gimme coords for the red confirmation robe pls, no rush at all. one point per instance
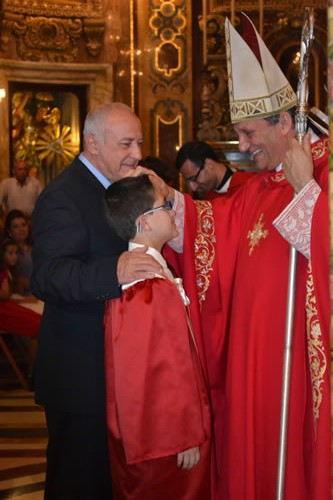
(157, 403)
(243, 316)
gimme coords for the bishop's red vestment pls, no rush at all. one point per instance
(241, 269)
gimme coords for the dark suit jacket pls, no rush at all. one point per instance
(75, 255)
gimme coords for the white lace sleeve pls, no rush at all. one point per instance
(179, 207)
(294, 223)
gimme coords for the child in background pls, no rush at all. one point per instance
(20, 319)
(14, 318)
(17, 228)
(157, 404)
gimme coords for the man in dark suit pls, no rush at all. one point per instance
(79, 262)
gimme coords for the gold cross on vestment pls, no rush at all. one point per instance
(257, 233)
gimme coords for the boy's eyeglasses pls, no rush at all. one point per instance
(194, 178)
(166, 206)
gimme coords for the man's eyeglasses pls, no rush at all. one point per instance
(194, 178)
(166, 206)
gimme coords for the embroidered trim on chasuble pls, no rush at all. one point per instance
(316, 349)
(295, 221)
(204, 247)
(319, 149)
(257, 233)
(277, 177)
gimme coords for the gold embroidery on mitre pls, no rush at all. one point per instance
(258, 232)
(204, 247)
(262, 106)
(316, 349)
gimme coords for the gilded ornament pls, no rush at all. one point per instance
(41, 38)
(278, 177)
(204, 247)
(94, 31)
(257, 234)
(318, 362)
(70, 8)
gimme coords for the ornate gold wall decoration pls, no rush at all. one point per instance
(47, 39)
(253, 5)
(6, 28)
(52, 8)
(214, 109)
(165, 86)
(213, 88)
(52, 31)
(167, 24)
(168, 117)
(94, 31)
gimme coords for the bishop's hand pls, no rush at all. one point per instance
(298, 163)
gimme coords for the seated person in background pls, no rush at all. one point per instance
(14, 318)
(17, 228)
(11, 256)
(157, 405)
(162, 169)
(17, 283)
(205, 176)
(19, 314)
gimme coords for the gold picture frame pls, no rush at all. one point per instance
(45, 127)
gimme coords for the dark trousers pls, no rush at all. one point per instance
(77, 457)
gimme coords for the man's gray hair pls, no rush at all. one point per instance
(96, 119)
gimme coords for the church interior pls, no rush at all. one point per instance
(164, 58)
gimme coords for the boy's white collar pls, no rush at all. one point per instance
(151, 251)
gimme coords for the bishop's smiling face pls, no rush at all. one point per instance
(265, 141)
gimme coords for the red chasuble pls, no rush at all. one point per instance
(252, 261)
(157, 403)
(237, 179)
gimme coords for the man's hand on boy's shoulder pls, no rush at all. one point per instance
(137, 265)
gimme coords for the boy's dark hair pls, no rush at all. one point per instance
(196, 152)
(159, 167)
(125, 200)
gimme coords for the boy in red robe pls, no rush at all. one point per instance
(157, 405)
